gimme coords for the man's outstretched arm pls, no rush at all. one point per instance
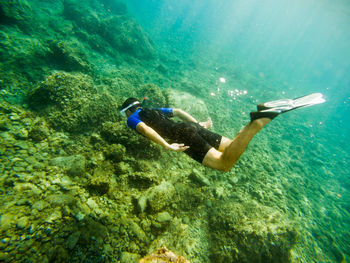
(183, 115)
(187, 117)
(151, 134)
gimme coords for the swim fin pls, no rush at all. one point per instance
(272, 109)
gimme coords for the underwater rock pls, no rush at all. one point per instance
(199, 178)
(142, 180)
(74, 165)
(133, 229)
(40, 205)
(64, 182)
(163, 255)
(16, 11)
(5, 124)
(116, 7)
(20, 134)
(157, 98)
(114, 132)
(108, 21)
(115, 152)
(123, 168)
(69, 56)
(92, 204)
(163, 217)
(23, 222)
(92, 16)
(21, 144)
(233, 180)
(99, 185)
(142, 204)
(71, 102)
(132, 39)
(54, 217)
(219, 192)
(60, 199)
(162, 69)
(79, 216)
(243, 232)
(23, 57)
(160, 196)
(73, 240)
(5, 221)
(127, 257)
(137, 146)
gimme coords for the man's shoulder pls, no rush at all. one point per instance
(133, 120)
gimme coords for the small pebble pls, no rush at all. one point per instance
(23, 222)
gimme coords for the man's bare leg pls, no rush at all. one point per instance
(224, 161)
(225, 142)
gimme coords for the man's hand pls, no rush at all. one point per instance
(178, 147)
(206, 124)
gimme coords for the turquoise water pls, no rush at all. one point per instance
(297, 47)
(77, 185)
(301, 44)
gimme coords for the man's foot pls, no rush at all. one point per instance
(263, 114)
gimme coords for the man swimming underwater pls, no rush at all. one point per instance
(193, 138)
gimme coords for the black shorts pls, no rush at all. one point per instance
(198, 138)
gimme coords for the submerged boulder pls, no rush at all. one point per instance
(160, 196)
(72, 103)
(127, 257)
(69, 55)
(138, 146)
(74, 165)
(15, 11)
(109, 20)
(249, 232)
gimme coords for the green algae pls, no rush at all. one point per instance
(72, 103)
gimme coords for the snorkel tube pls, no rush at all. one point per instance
(143, 103)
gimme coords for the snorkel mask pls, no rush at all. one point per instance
(122, 111)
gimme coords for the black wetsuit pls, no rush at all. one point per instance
(199, 139)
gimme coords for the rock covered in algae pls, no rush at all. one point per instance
(250, 232)
(71, 102)
(69, 55)
(163, 255)
(156, 97)
(109, 23)
(160, 196)
(74, 165)
(137, 146)
(115, 152)
(16, 12)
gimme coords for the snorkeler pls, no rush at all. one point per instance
(194, 138)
